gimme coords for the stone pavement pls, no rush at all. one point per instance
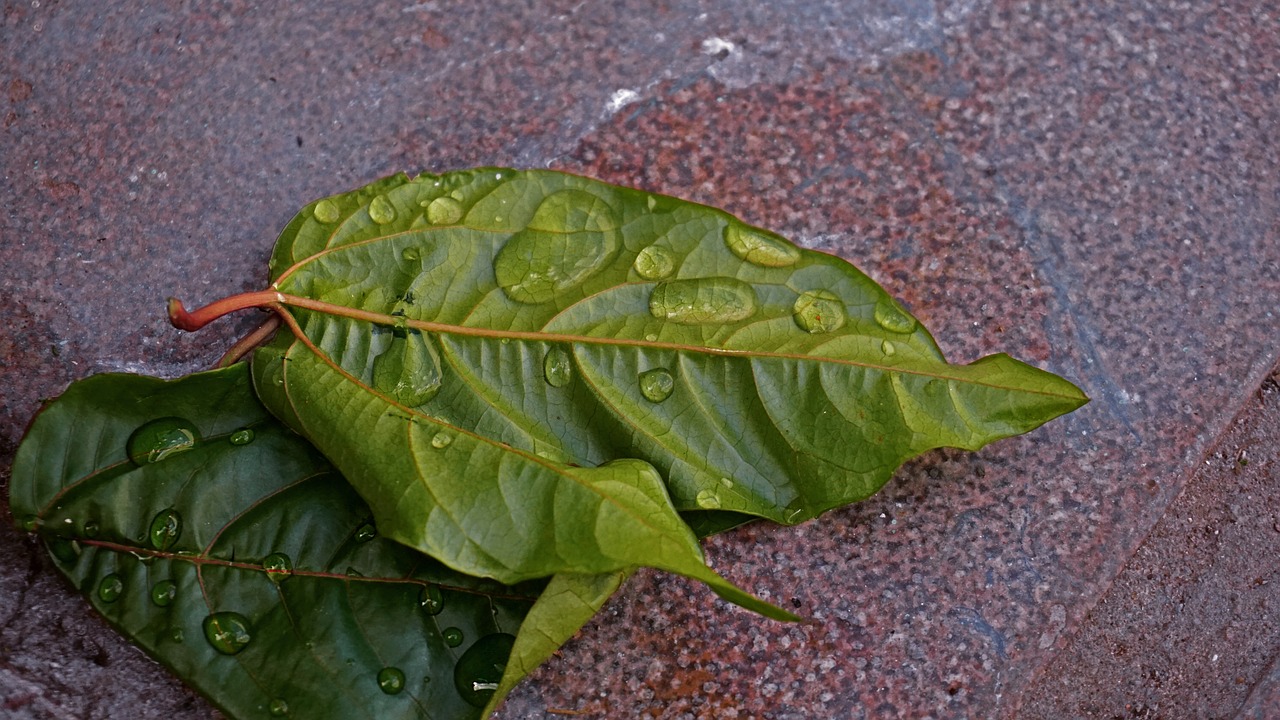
(1092, 187)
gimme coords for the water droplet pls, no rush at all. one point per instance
(64, 550)
(110, 587)
(557, 367)
(243, 436)
(177, 635)
(431, 600)
(444, 211)
(651, 337)
(29, 523)
(652, 202)
(892, 318)
(366, 533)
(819, 311)
(571, 237)
(726, 483)
(703, 301)
(656, 385)
(411, 254)
(166, 527)
(278, 707)
(381, 210)
(480, 669)
(888, 348)
(164, 592)
(760, 247)
(91, 529)
(278, 567)
(654, 263)
(409, 369)
(441, 440)
(452, 637)
(390, 680)
(227, 632)
(326, 211)
(160, 439)
(708, 500)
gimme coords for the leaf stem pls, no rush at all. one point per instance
(246, 344)
(184, 319)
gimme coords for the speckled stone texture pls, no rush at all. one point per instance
(1092, 187)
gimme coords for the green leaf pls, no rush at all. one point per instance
(231, 551)
(540, 321)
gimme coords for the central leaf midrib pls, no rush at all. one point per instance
(539, 336)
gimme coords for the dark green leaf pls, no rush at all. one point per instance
(538, 321)
(233, 553)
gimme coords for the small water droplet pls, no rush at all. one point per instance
(557, 367)
(452, 637)
(726, 483)
(707, 500)
(278, 567)
(227, 632)
(29, 523)
(366, 533)
(656, 385)
(444, 211)
(164, 592)
(326, 211)
(91, 529)
(177, 635)
(243, 436)
(431, 600)
(760, 247)
(390, 680)
(64, 550)
(654, 263)
(652, 202)
(110, 587)
(892, 318)
(480, 669)
(381, 210)
(703, 301)
(888, 348)
(819, 311)
(411, 254)
(278, 707)
(651, 337)
(441, 440)
(166, 527)
(160, 439)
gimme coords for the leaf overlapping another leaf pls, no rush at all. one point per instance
(232, 552)
(555, 333)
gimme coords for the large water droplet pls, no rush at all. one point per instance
(326, 211)
(819, 311)
(110, 588)
(707, 499)
(166, 527)
(654, 263)
(243, 436)
(656, 385)
(892, 318)
(409, 369)
(278, 707)
(431, 599)
(557, 367)
(64, 550)
(164, 592)
(703, 301)
(381, 210)
(759, 247)
(444, 211)
(278, 567)
(480, 669)
(441, 440)
(160, 439)
(227, 632)
(570, 238)
(452, 637)
(391, 680)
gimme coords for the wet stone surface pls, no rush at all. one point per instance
(1089, 187)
